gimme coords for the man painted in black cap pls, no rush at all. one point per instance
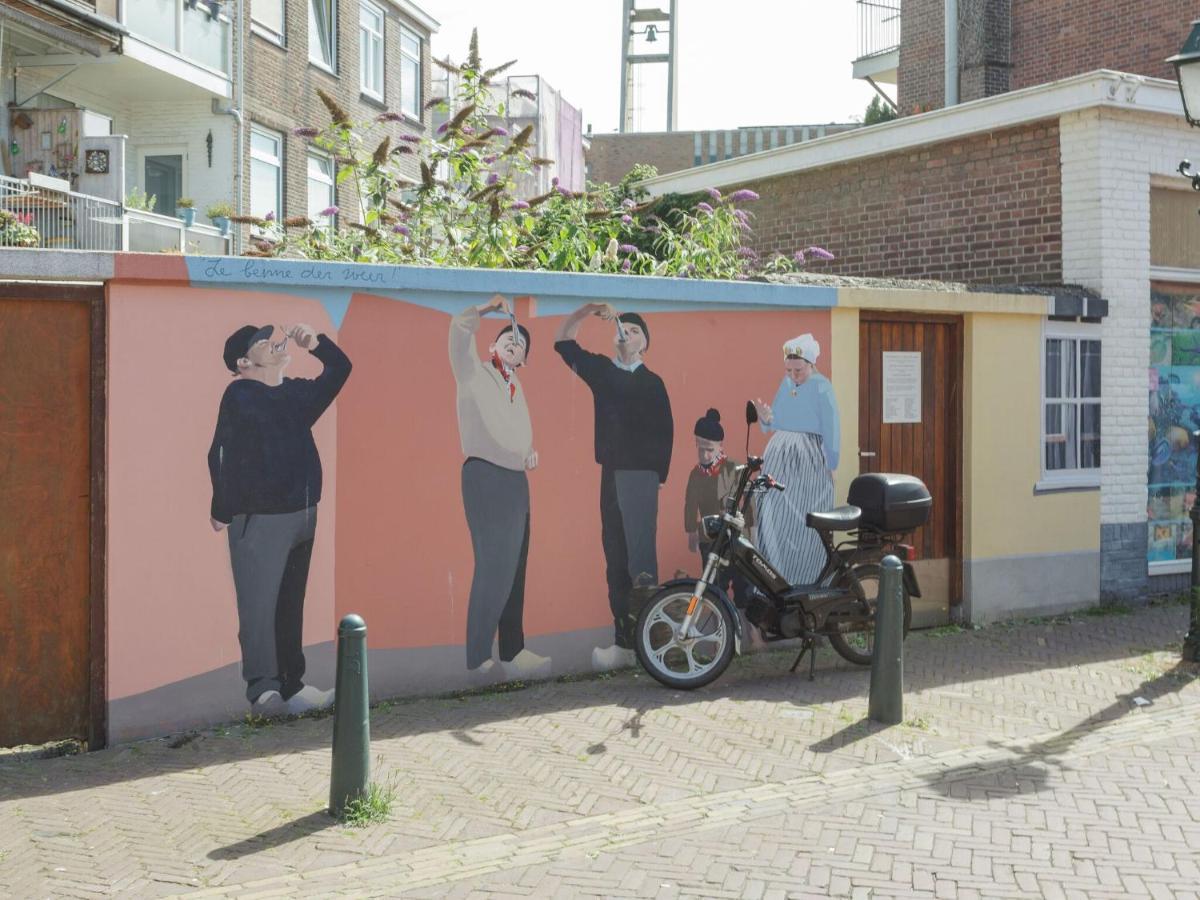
(634, 436)
(266, 478)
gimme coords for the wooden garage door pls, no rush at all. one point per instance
(45, 514)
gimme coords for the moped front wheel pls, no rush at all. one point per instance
(857, 646)
(685, 662)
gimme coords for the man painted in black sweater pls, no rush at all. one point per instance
(266, 478)
(634, 436)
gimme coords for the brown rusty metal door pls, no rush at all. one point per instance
(918, 438)
(45, 514)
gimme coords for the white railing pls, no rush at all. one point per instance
(66, 220)
(878, 27)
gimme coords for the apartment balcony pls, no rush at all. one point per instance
(878, 57)
(55, 218)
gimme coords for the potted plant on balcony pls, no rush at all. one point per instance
(186, 210)
(219, 213)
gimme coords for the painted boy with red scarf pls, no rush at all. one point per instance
(497, 441)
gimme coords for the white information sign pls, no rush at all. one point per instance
(901, 387)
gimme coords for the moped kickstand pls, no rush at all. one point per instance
(809, 646)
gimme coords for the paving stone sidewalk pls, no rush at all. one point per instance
(1040, 759)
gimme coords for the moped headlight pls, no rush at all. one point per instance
(711, 525)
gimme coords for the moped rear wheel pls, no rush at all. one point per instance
(857, 646)
(684, 663)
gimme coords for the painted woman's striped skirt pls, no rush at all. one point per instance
(796, 459)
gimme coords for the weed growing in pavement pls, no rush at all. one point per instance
(920, 723)
(375, 805)
(1107, 609)
(944, 630)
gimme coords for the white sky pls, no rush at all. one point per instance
(747, 62)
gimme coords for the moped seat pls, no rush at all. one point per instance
(844, 518)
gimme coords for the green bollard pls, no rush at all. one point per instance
(887, 657)
(351, 717)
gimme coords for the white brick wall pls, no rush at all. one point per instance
(1108, 157)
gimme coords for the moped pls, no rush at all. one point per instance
(688, 632)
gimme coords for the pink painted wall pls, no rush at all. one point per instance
(391, 515)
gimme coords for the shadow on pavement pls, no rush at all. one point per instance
(296, 830)
(1029, 772)
(931, 662)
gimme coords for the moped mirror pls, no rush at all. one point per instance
(751, 413)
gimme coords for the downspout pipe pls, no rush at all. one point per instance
(237, 112)
(951, 43)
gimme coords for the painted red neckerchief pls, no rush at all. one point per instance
(506, 373)
(713, 467)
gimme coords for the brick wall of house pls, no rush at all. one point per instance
(920, 79)
(281, 91)
(986, 209)
(1012, 44)
(612, 155)
(1055, 40)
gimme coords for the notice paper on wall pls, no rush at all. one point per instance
(901, 387)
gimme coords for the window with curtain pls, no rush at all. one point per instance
(322, 33)
(1071, 407)
(267, 18)
(410, 73)
(321, 192)
(370, 49)
(266, 172)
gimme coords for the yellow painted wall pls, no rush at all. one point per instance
(1002, 449)
(843, 325)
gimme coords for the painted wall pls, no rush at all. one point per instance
(392, 541)
(1016, 540)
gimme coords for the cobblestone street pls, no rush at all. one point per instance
(1042, 759)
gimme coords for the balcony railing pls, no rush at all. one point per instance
(198, 30)
(66, 220)
(878, 27)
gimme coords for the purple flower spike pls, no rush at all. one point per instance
(626, 219)
(741, 215)
(500, 132)
(442, 128)
(269, 217)
(745, 227)
(625, 266)
(743, 195)
(554, 181)
(819, 252)
(493, 178)
(467, 129)
(389, 117)
(747, 253)
(410, 138)
(329, 211)
(490, 159)
(628, 248)
(628, 203)
(306, 132)
(798, 256)
(704, 208)
(562, 190)
(523, 248)
(519, 204)
(401, 229)
(714, 194)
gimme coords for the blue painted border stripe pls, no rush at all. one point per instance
(304, 277)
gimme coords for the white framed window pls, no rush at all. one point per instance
(267, 18)
(1071, 446)
(322, 33)
(410, 73)
(266, 172)
(321, 191)
(370, 49)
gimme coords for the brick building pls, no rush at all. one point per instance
(372, 56)
(1053, 168)
(610, 156)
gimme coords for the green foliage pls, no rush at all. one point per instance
(185, 203)
(465, 210)
(878, 111)
(17, 230)
(138, 200)
(221, 210)
(375, 805)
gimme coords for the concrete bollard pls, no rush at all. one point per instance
(886, 704)
(351, 717)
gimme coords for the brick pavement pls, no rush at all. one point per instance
(1024, 768)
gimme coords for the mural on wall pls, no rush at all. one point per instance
(803, 454)
(497, 441)
(711, 480)
(1174, 385)
(266, 485)
(634, 433)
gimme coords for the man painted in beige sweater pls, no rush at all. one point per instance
(497, 441)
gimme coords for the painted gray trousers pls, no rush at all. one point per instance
(629, 533)
(496, 501)
(270, 556)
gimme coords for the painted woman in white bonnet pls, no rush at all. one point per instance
(802, 453)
